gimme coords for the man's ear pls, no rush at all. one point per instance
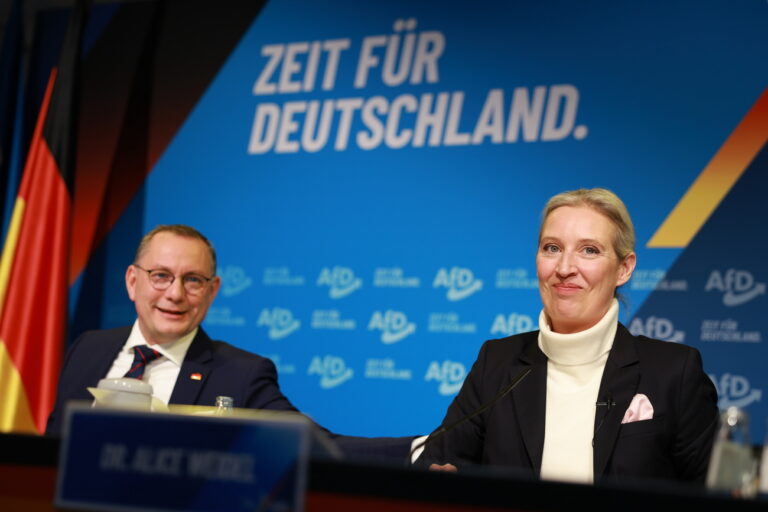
(215, 285)
(130, 281)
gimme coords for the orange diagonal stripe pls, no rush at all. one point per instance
(716, 180)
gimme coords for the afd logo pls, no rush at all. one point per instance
(735, 390)
(332, 370)
(341, 280)
(280, 322)
(233, 280)
(394, 325)
(659, 328)
(461, 283)
(514, 323)
(450, 375)
(738, 286)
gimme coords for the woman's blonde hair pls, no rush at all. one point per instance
(603, 201)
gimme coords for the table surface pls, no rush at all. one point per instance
(28, 470)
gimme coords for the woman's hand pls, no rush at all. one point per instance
(445, 467)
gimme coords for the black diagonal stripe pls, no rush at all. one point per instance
(59, 128)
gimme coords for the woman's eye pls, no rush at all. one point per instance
(550, 248)
(591, 250)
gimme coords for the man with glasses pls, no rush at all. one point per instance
(172, 282)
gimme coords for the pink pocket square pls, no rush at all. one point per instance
(640, 409)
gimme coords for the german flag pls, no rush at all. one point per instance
(33, 268)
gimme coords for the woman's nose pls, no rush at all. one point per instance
(565, 264)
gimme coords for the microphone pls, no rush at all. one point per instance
(444, 430)
(609, 404)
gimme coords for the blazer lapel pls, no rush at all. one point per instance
(617, 387)
(194, 370)
(105, 352)
(530, 399)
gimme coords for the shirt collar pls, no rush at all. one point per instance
(175, 351)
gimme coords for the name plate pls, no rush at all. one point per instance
(125, 460)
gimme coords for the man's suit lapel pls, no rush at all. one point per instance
(530, 398)
(194, 370)
(104, 352)
(617, 387)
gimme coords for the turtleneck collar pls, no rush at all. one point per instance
(581, 347)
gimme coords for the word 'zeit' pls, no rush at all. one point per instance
(543, 113)
(297, 75)
(295, 67)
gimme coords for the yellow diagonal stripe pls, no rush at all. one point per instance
(9, 249)
(716, 180)
(15, 414)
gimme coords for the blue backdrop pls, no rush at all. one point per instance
(372, 178)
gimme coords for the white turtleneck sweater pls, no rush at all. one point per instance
(574, 370)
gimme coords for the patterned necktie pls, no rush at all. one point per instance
(143, 355)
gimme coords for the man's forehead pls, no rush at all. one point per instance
(171, 248)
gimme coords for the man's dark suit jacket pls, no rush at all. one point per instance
(675, 444)
(251, 381)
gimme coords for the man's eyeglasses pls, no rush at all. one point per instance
(161, 279)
